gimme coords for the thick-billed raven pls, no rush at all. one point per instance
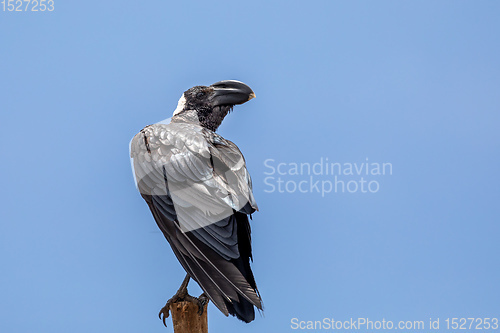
(197, 186)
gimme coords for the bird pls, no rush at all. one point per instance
(199, 191)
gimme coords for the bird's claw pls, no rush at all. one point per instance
(180, 295)
(201, 301)
(165, 311)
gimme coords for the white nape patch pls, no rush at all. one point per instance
(180, 105)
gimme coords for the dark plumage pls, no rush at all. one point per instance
(200, 194)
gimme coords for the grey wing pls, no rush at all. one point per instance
(199, 192)
(230, 171)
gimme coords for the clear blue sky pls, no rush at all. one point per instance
(411, 83)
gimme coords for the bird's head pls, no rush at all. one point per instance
(214, 102)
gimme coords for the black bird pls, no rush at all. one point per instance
(197, 186)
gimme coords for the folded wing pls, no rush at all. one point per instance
(200, 193)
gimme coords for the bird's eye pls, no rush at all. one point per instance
(200, 94)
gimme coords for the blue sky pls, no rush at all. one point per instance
(414, 84)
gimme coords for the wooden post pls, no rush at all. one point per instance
(186, 317)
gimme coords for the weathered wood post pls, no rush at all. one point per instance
(187, 319)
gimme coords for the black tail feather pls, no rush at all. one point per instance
(243, 309)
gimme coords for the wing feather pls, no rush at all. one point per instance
(198, 188)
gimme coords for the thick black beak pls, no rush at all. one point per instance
(230, 92)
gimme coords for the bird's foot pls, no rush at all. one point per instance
(202, 301)
(180, 295)
(183, 296)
